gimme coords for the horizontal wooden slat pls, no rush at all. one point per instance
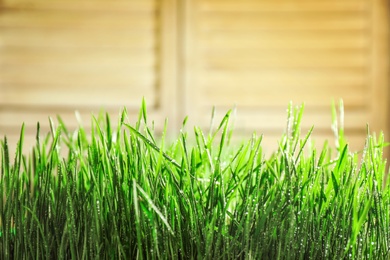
(282, 6)
(85, 5)
(287, 40)
(268, 59)
(128, 38)
(263, 95)
(81, 79)
(310, 77)
(113, 75)
(77, 20)
(52, 96)
(122, 91)
(282, 21)
(81, 59)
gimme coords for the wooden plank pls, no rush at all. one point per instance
(128, 38)
(78, 79)
(52, 96)
(263, 89)
(72, 74)
(282, 6)
(262, 95)
(315, 59)
(77, 20)
(83, 59)
(264, 40)
(99, 90)
(282, 21)
(85, 5)
(310, 78)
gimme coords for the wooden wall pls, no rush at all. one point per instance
(262, 54)
(185, 56)
(65, 55)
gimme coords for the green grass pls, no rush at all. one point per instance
(124, 193)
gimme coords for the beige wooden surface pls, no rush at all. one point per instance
(186, 56)
(262, 54)
(62, 56)
(72, 56)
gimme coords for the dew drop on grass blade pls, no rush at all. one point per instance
(152, 145)
(154, 207)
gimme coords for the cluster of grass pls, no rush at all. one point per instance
(121, 193)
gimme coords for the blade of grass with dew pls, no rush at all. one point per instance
(152, 145)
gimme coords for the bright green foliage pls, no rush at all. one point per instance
(120, 194)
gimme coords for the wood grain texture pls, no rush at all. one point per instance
(59, 56)
(259, 55)
(78, 54)
(116, 6)
(184, 57)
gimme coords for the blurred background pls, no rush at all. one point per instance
(186, 56)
